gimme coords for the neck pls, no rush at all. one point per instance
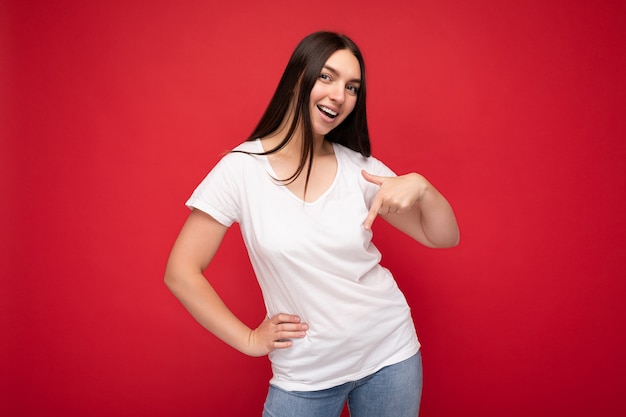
(295, 143)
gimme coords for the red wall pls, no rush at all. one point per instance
(112, 112)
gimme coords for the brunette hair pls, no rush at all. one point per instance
(296, 83)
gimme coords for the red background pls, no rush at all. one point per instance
(113, 111)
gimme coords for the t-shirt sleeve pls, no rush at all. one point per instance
(218, 193)
(377, 167)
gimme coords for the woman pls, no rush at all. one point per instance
(305, 192)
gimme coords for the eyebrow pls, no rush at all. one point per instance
(331, 69)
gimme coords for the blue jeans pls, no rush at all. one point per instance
(394, 391)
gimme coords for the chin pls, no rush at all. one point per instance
(322, 131)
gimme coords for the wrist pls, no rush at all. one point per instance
(251, 346)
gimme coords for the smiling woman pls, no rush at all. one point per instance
(334, 95)
(305, 191)
(111, 111)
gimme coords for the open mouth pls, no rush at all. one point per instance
(328, 112)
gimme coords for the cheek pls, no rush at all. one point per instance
(316, 92)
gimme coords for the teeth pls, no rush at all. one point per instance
(328, 111)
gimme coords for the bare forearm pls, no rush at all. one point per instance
(438, 220)
(193, 250)
(414, 206)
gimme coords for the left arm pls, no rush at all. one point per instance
(414, 206)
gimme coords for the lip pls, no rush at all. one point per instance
(326, 112)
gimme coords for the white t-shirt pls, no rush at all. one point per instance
(315, 260)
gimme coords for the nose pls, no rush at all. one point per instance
(338, 93)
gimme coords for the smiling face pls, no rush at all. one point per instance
(334, 94)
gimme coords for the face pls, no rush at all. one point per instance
(334, 94)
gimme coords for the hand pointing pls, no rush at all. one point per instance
(396, 195)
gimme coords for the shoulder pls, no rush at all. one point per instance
(349, 155)
(369, 163)
(252, 146)
(244, 148)
(240, 155)
(233, 172)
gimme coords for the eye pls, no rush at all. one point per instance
(325, 77)
(352, 89)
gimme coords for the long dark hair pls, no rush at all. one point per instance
(297, 81)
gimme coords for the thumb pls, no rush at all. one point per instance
(374, 179)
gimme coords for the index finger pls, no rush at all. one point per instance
(285, 318)
(371, 215)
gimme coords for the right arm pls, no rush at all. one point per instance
(193, 250)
